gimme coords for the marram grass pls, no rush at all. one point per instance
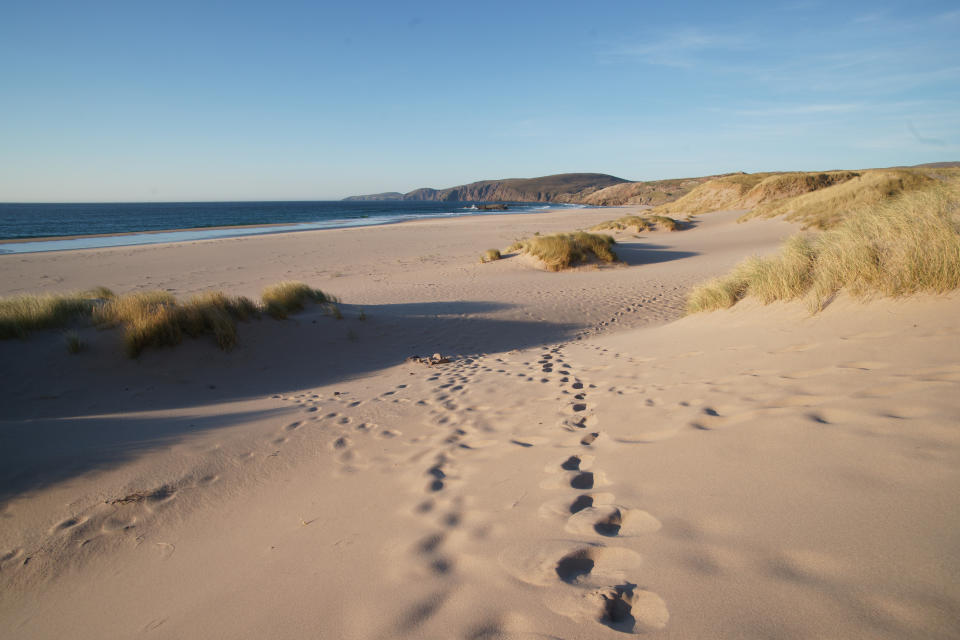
(284, 298)
(491, 255)
(153, 318)
(640, 223)
(565, 250)
(904, 245)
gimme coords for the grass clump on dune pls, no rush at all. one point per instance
(21, 314)
(156, 319)
(905, 245)
(152, 318)
(284, 298)
(490, 255)
(641, 223)
(565, 250)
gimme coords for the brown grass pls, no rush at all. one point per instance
(903, 245)
(565, 250)
(640, 223)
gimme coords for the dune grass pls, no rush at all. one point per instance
(22, 314)
(903, 245)
(824, 208)
(284, 298)
(491, 255)
(74, 343)
(747, 191)
(565, 250)
(153, 318)
(640, 223)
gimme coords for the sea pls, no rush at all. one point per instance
(42, 227)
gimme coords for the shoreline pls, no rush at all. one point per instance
(223, 231)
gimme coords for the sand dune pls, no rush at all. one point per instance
(588, 465)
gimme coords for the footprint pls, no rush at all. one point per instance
(589, 438)
(575, 565)
(69, 523)
(582, 502)
(571, 464)
(293, 426)
(610, 525)
(631, 610)
(582, 480)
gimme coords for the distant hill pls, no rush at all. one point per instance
(389, 195)
(563, 187)
(938, 165)
(707, 193)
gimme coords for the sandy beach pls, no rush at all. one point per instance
(589, 464)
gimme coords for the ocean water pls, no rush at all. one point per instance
(120, 224)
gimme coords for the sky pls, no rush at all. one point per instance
(104, 101)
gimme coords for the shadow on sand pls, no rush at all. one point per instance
(65, 415)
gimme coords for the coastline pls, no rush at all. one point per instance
(190, 234)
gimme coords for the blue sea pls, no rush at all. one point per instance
(119, 224)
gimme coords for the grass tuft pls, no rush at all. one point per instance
(565, 250)
(490, 255)
(284, 298)
(640, 223)
(151, 318)
(903, 245)
(21, 314)
(74, 343)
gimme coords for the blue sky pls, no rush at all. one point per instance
(131, 101)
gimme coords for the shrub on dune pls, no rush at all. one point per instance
(904, 245)
(564, 250)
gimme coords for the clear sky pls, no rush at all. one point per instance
(232, 100)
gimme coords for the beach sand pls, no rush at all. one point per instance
(589, 464)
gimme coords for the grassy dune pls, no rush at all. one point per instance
(746, 191)
(640, 223)
(564, 250)
(826, 207)
(899, 246)
(153, 318)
